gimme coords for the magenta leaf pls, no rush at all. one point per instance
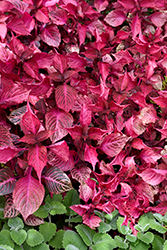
(85, 116)
(60, 62)
(153, 176)
(5, 138)
(96, 133)
(81, 173)
(85, 192)
(58, 120)
(57, 181)
(7, 181)
(75, 132)
(8, 153)
(42, 15)
(28, 195)
(158, 18)
(65, 96)
(113, 144)
(9, 210)
(18, 26)
(51, 35)
(31, 68)
(18, 95)
(37, 158)
(55, 161)
(100, 5)
(136, 26)
(61, 149)
(90, 155)
(30, 122)
(115, 18)
(91, 221)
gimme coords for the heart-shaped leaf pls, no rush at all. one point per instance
(18, 236)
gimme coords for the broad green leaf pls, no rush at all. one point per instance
(86, 233)
(71, 247)
(139, 245)
(120, 242)
(104, 227)
(157, 243)
(34, 238)
(57, 240)
(15, 223)
(112, 215)
(146, 238)
(165, 245)
(5, 247)
(159, 217)
(5, 238)
(157, 226)
(56, 197)
(71, 198)
(47, 230)
(131, 238)
(76, 219)
(41, 212)
(103, 242)
(145, 219)
(42, 246)
(17, 247)
(71, 237)
(57, 181)
(18, 236)
(122, 228)
(57, 208)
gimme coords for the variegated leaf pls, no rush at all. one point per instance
(7, 181)
(33, 220)
(10, 211)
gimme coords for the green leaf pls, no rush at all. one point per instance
(18, 236)
(145, 219)
(131, 238)
(71, 237)
(56, 197)
(103, 242)
(157, 243)
(120, 242)
(104, 227)
(86, 233)
(47, 230)
(76, 219)
(112, 215)
(71, 198)
(5, 238)
(146, 238)
(123, 229)
(57, 240)
(71, 247)
(159, 217)
(139, 245)
(157, 226)
(165, 245)
(17, 247)
(15, 223)
(57, 208)
(41, 212)
(42, 246)
(34, 238)
(5, 247)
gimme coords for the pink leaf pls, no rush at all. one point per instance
(75, 132)
(113, 144)
(115, 18)
(82, 33)
(16, 96)
(65, 96)
(127, 4)
(90, 155)
(158, 18)
(19, 5)
(8, 153)
(18, 26)
(30, 122)
(85, 116)
(91, 221)
(61, 149)
(136, 26)
(96, 133)
(37, 158)
(58, 120)
(9, 209)
(33, 220)
(43, 135)
(7, 181)
(153, 176)
(3, 30)
(100, 5)
(58, 16)
(31, 68)
(80, 209)
(28, 195)
(51, 35)
(5, 138)
(55, 161)
(57, 181)
(150, 155)
(60, 62)
(15, 115)
(43, 59)
(29, 138)
(76, 62)
(85, 192)
(42, 15)
(81, 174)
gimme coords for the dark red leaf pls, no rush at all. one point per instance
(51, 35)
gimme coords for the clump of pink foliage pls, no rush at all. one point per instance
(83, 103)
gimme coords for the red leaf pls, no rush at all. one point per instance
(5, 138)
(37, 158)
(76, 62)
(8, 153)
(43, 59)
(31, 68)
(57, 181)
(28, 195)
(85, 192)
(61, 149)
(85, 116)
(58, 16)
(51, 35)
(96, 133)
(115, 18)
(80, 209)
(30, 122)
(3, 30)
(90, 155)
(58, 120)
(136, 26)
(60, 62)
(100, 5)
(127, 4)
(81, 174)
(65, 96)
(113, 144)
(16, 96)
(75, 132)
(7, 181)
(158, 18)
(43, 135)
(55, 161)
(82, 33)
(19, 5)
(18, 26)
(91, 221)
(150, 155)
(42, 15)
(29, 138)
